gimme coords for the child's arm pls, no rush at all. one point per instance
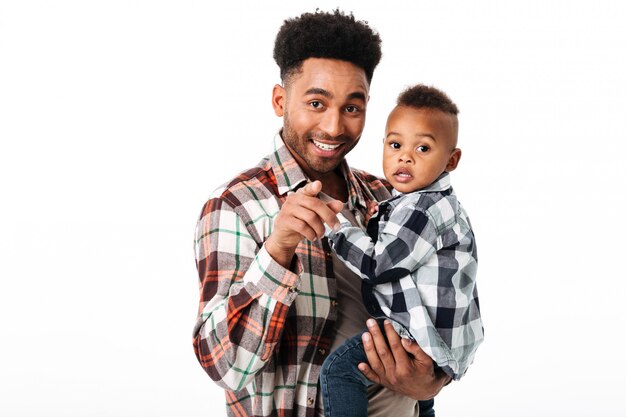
(407, 239)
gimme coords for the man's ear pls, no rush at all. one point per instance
(279, 95)
(455, 157)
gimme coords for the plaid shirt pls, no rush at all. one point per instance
(419, 269)
(263, 331)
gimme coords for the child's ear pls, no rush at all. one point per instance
(278, 100)
(455, 157)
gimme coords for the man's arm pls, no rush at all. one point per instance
(244, 297)
(246, 287)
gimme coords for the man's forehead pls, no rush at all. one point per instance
(331, 75)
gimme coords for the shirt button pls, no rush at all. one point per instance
(309, 401)
(293, 289)
(328, 255)
(334, 303)
(322, 351)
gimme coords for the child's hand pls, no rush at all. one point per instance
(372, 208)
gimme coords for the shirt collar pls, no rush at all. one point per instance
(441, 184)
(356, 199)
(289, 175)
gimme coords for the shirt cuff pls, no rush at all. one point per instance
(343, 222)
(273, 279)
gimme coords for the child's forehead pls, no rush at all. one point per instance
(411, 111)
(421, 115)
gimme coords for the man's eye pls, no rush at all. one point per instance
(316, 104)
(423, 148)
(352, 109)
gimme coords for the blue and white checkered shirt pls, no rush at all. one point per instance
(418, 264)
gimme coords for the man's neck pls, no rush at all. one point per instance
(333, 184)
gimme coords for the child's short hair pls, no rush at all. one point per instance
(422, 96)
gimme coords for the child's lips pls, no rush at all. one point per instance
(403, 175)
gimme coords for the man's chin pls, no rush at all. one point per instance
(325, 167)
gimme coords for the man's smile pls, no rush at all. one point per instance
(326, 146)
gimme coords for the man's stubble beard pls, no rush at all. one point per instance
(298, 145)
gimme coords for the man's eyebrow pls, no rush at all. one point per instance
(319, 91)
(357, 95)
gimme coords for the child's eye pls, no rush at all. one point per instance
(422, 148)
(394, 145)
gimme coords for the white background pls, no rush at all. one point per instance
(118, 118)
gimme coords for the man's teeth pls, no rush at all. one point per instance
(325, 146)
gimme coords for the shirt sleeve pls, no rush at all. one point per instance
(404, 242)
(244, 297)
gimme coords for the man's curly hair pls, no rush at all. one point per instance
(333, 35)
(422, 96)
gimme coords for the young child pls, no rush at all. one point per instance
(418, 257)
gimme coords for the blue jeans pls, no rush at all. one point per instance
(344, 387)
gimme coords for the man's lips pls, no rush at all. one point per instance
(326, 146)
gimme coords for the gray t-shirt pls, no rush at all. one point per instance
(351, 317)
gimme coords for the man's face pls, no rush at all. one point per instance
(323, 109)
(420, 144)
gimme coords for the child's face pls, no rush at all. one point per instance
(420, 144)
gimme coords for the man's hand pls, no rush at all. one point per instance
(391, 365)
(302, 216)
(372, 208)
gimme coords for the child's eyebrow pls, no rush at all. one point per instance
(426, 135)
(423, 135)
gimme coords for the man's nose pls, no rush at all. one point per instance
(332, 124)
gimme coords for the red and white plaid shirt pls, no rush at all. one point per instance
(263, 331)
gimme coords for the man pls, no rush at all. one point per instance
(273, 299)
